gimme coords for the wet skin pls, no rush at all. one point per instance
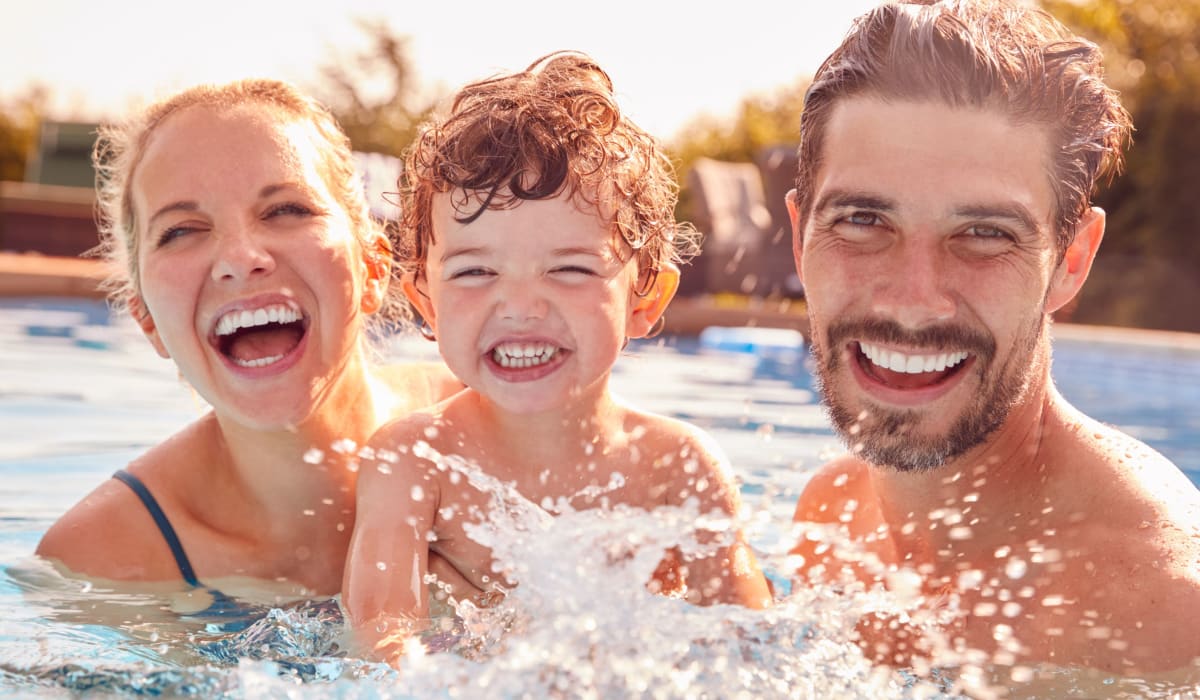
(931, 238)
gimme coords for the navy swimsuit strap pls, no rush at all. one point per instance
(164, 525)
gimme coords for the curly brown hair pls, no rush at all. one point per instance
(554, 127)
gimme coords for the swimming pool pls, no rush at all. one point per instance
(80, 395)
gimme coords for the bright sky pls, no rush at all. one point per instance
(669, 61)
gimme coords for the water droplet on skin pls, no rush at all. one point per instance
(1011, 609)
(340, 527)
(431, 432)
(344, 446)
(1015, 568)
(309, 512)
(841, 480)
(418, 493)
(382, 566)
(314, 456)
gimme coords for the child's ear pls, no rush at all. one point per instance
(377, 262)
(797, 239)
(1073, 271)
(414, 290)
(648, 309)
(141, 315)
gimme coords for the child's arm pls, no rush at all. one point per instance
(383, 590)
(731, 574)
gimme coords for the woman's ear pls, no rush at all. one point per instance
(141, 315)
(414, 290)
(647, 310)
(377, 261)
(1073, 270)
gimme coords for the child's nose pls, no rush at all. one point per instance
(523, 301)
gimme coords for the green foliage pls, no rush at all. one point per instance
(19, 120)
(1148, 271)
(373, 93)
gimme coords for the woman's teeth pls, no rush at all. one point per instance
(911, 364)
(237, 320)
(523, 354)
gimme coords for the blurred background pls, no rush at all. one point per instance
(722, 87)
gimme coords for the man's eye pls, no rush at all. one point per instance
(862, 218)
(985, 231)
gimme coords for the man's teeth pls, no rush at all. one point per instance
(911, 364)
(236, 320)
(523, 354)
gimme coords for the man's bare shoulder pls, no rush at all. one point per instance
(842, 481)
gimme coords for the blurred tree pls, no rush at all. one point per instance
(1148, 270)
(373, 93)
(19, 120)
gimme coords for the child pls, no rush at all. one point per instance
(539, 237)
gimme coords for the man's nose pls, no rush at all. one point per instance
(915, 286)
(241, 255)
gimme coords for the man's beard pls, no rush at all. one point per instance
(890, 437)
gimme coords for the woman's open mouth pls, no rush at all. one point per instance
(261, 337)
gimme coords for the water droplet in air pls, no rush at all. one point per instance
(314, 456)
(1015, 568)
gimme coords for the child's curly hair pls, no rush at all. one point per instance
(554, 127)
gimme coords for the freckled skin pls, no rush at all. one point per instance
(1064, 541)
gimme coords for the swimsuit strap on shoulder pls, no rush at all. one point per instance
(164, 525)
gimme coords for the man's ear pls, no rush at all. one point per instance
(797, 238)
(377, 261)
(647, 310)
(141, 315)
(1072, 272)
(414, 290)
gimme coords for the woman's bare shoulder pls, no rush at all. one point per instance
(109, 533)
(420, 383)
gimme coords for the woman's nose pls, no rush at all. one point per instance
(241, 255)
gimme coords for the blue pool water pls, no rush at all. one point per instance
(81, 395)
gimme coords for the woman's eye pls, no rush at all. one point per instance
(173, 233)
(288, 209)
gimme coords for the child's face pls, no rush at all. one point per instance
(531, 305)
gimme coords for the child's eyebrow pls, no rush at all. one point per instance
(464, 250)
(580, 250)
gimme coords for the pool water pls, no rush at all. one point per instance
(82, 394)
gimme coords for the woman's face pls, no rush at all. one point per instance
(251, 277)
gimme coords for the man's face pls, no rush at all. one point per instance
(926, 261)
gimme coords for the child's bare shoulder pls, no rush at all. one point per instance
(685, 456)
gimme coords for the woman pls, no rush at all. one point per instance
(247, 256)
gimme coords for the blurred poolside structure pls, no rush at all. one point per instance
(744, 276)
(740, 210)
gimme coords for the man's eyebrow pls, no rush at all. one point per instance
(182, 205)
(1010, 211)
(854, 199)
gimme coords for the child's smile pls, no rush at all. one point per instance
(530, 303)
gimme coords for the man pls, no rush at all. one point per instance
(941, 215)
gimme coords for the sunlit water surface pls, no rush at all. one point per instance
(81, 395)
